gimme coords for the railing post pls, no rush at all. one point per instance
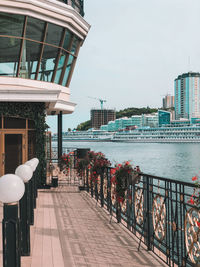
(101, 188)
(91, 183)
(95, 188)
(128, 204)
(87, 182)
(148, 229)
(118, 212)
(109, 202)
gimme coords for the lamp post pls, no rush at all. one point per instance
(33, 187)
(25, 173)
(11, 191)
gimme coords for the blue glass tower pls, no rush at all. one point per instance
(187, 96)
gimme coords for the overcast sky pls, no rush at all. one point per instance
(132, 54)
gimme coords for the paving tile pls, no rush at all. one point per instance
(71, 230)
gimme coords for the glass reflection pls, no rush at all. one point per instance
(60, 66)
(30, 57)
(11, 24)
(48, 63)
(75, 45)
(67, 40)
(54, 33)
(67, 71)
(35, 29)
(9, 51)
(52, 64)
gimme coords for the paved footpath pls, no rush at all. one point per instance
(70, 230)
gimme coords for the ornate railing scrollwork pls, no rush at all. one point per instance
(98, 181)
(139, 203)
(124, 203)
(105, 188)
(113, 193)
(158, 216)
(192, 234)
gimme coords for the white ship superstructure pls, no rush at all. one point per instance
(140, 135)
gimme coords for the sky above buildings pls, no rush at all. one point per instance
(132, 54)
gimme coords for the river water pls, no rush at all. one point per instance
(177, 161)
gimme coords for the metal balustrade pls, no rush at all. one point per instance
(157, 211)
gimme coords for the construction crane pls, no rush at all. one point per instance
(101, 101)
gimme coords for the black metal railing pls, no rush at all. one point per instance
(156, 210)
(78, 5)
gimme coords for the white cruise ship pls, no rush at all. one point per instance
(160, 135)
(187, 134)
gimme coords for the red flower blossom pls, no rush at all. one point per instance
(194, 178)
(112, 171)
(113, 180)
(191, 201)
(120, 199)
(198, 224)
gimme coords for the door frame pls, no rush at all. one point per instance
(3, 132)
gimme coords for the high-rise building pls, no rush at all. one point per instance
(168, 102)
(101, 117)
(187, 96)
(39, 46)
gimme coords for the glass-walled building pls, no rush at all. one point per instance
(187, 96)
(39, 46)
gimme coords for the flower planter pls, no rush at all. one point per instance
(55, 181)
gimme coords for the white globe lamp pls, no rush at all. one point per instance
(32, 164)
(25, 172)
(11, 188)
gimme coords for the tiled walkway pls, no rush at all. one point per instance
(70, 230)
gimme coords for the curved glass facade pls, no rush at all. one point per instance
(35, 49)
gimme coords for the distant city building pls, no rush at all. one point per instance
(138, 121)
(168, 102)
(187, 96)
(101, 117)
(164, 117)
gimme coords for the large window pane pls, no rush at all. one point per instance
(67, 71)
(67, 40)
(9, 56)
(11, 24)
(48, 63)
(60, 66)
(30, 57)
(75, 43)
(35, 29)
(54, 34)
